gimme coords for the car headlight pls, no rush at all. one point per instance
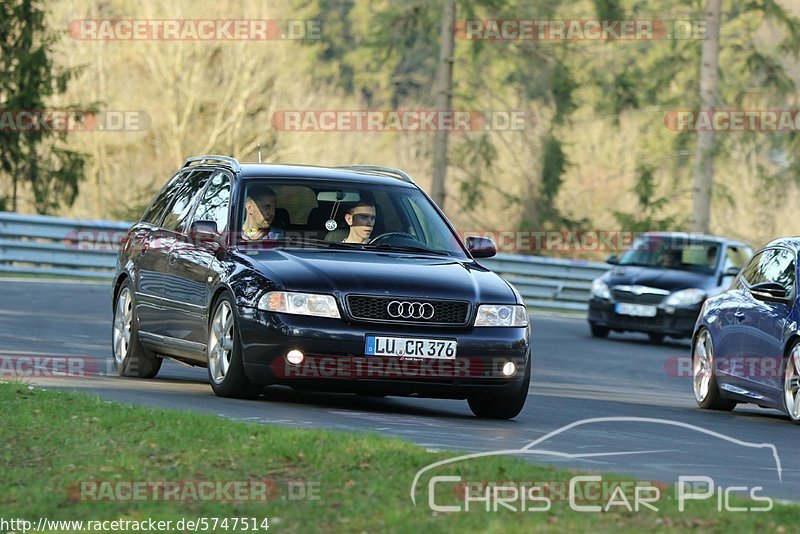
(686, 297)
(299, 304)
(495, 315)
(600, 290)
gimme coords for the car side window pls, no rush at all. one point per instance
(216, 201)
(735, 257)
(771, 265)
(432, 234)
(781, 269)
(184, 196)
(154, 213)
(752, 273)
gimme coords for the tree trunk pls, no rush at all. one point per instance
(443, 99)
(704, 155)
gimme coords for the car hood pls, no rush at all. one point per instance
(667, 279)
(379, 273)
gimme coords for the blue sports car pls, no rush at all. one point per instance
(746, 343)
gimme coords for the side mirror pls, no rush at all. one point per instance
(205, 232)
(613, 260)
(769, 291)
(481, 247)
(731, 271)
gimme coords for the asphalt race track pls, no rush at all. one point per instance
(575, 378)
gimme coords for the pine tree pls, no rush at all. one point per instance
(36, 157)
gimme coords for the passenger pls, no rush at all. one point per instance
(670, 259)
(260, 209)
(711, 256)
(361, 219)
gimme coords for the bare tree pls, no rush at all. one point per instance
(704, 154)
(443, 93)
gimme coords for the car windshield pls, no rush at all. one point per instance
(342, 216)
(677, 252)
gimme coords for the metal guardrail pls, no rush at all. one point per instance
(548, 283)
(40, 245)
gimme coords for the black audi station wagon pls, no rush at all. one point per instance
(344, 279)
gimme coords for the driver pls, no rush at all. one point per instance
(361, 219)
(260, 209)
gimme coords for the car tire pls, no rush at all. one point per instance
(505, 406)
(704, 379)
(656, 337)
(791, 383)
(224, 352)
(598, 331)
(127, 352)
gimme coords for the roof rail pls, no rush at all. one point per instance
(210, 158)
(397, 173)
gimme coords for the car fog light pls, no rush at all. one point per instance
(295, 357)
(509, 368)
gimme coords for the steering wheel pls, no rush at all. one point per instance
(390, 236)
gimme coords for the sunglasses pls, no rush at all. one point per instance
(362, 219)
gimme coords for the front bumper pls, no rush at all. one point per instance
(669, 320)
(335, 360)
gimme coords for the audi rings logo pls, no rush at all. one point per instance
(410, 310)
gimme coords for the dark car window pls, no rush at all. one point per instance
(771, 265)
(216, 201)
(154, 213)
(185, 194)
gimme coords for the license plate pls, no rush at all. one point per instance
(637, 310)
(444, 349)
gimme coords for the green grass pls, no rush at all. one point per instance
(52, 440)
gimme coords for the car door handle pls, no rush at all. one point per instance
(173, 258)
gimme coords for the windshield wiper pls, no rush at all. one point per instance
(410, 248)
(300, 241)
(635, 264)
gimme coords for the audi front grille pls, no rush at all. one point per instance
(408, 310)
